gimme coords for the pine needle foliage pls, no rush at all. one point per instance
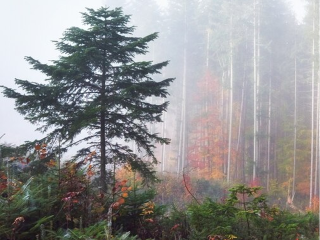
(97, 86)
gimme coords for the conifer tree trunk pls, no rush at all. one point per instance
(182, 137)
(103, 161)
(242, 122)
(312, 105)
(269, 128)
(222, 119)
(315, 190)
(258, 104)
(295, 128)
(316, 59)
(230, 101)
(207, 159)
(255, 91)
(163, 150)
(239, 170)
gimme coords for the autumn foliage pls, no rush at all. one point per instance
(208, 144)
(66, 198)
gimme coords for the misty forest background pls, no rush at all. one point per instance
(244, 107)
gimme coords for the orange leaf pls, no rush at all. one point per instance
(123, 182)
(90, 173)
(121, 201)
(125, 195)
(116, 205)
(123, 189)
(3, 177)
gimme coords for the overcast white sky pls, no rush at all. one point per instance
(27, 30)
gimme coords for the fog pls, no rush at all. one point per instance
(28, 29)
(237, 63)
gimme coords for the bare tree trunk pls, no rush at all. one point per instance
(295, 128)
(317, 143)
(182, 138)
(223, 124)
(258, 104)
(269, 129)
(240, 124)
(312, 112)
(163, 150)
(206, 135)
(254, 91)
(230, 101)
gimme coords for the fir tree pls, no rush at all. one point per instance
(97, 87)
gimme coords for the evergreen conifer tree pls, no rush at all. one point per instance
(98, 87)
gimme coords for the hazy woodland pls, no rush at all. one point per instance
(243, 120)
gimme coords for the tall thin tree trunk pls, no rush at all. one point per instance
(163, 150)
(179, 167)
(103, 161)
(317, 143)
(258, 104)
(208, 49)
(312, 112)
(269, 128)
(230, 101)
(222, 119)
(240, 126)
(244, 116)
(295, 128)
(182, 140)
(254, 92)
(206, 135)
